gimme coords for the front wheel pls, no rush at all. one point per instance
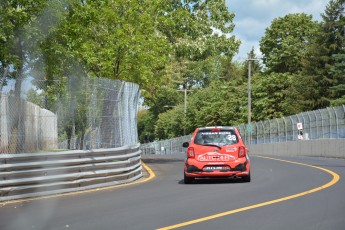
(188, 180)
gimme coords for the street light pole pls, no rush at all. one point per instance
(185, 98)
(185, 91)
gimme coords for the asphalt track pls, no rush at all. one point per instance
(282, 195)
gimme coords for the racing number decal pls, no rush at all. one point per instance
(231, 137)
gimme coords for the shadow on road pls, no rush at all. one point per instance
(214, 181)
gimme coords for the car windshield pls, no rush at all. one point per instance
(219, 138)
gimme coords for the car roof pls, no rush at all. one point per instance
(216, 127)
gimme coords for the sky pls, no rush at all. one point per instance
(252, 17)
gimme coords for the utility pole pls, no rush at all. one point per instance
(185, 100)
(249, 98)
(249, 128)
(249, 88)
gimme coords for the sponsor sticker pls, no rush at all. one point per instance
(231, 150)
(213, 156)
(216, 133)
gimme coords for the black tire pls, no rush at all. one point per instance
(188, 180)
(246, 178)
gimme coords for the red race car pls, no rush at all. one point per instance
(216, 152)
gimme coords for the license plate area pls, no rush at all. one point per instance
(223, 168)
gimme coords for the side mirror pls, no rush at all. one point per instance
(185, 144)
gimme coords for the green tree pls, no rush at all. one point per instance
(17, 28)
(208, 106)
(117, 39)
(200, 34)
(51, 63)
(338, 71)
(164, 99)
(285, 42)
(146, 126)
(170, 124)
(274, 96)
(16, 32)
(322, 56)
(221, 103)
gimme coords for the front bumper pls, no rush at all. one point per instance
(241, 168)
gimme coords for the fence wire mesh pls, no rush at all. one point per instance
(320, 124)
(76, 112)
(164, 147)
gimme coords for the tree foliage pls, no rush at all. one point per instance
(285, 42)
(222, 102)
(171, 123)
(168, 47)
(117, 39)
(200, 35)
(15, 20)
(338, 88)
(304, 70)
(146, 126)
(274, 96)
(322, 88)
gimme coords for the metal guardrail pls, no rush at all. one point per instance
(30, 175)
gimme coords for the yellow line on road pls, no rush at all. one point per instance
(334, 180)
(150, 172)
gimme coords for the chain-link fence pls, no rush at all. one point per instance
(23, 126)
(75, 112)
(318, 124)
(106, 113)
(169, 146)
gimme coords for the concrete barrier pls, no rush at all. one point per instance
(332, 148)
(37, 128)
